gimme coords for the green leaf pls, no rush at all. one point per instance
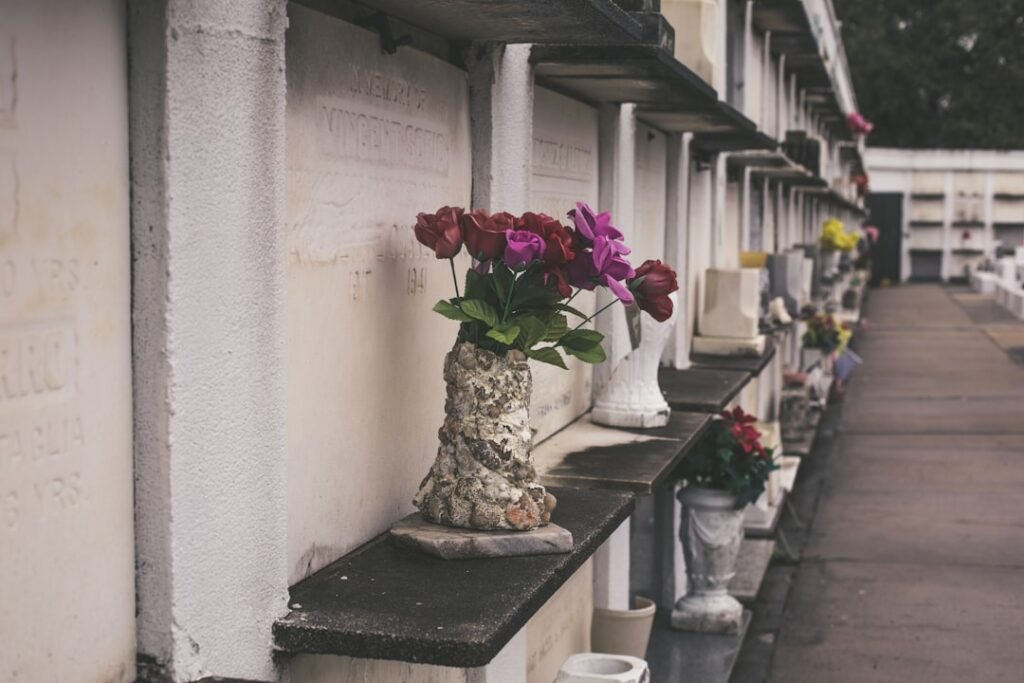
(584, 344)
(506, 334)
(592, 355)
(450, 310)
(533, 296)
(476, 285)
(480, 310)
(534, 330)
(548, 355)
(581, 339)
(502, 278)
(569, 309)
(557, 327)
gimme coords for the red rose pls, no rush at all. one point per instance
(440, 231)
(485, 234)
(652, 293)
(557, 275)
(558, 239)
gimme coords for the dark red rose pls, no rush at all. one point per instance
(557, 275)
(485, 233)
(652, 293)
(558, 239)
(440, 231)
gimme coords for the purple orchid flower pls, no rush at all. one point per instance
(590, 226)
(522, 248)
(605, 267)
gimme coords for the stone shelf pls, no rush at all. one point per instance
(801, 444)
(699, 657)
(777, 166)
(386, 602)
(751, 566)
(752, 364)
(599, 22)
(705, 390)
(668, 95)
(586, 455)
(756, 525)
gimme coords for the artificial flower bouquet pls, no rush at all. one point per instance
(825, 332)
(730, 457)
(835, 238)
(527, 271)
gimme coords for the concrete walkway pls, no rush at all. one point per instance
(914, 566)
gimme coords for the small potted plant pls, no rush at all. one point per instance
(724, 473)
(515, 304)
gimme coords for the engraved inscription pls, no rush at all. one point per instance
(36, 361)
(8, 193)
(562, 160)
(346, 132)
(366, 81)
(8, 80)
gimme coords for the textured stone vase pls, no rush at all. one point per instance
(632, 397)
(483, 476)
(711, 532)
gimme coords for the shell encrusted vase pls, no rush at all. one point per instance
(711, 532)
(483, 476)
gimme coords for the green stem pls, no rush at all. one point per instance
(603, 309)
(508, 302)
(455, 281)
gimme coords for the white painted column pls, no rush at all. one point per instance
(616, 194)
(718, 212)
(701, 239)
(501, 106)
(207, 101)
(947, 228)
(611, 570)
(989, 238)
(745, 209)
(677, 245)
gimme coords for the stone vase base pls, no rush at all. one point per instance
(721, 614)
(449, 543)
(729, 346)
(632, 419)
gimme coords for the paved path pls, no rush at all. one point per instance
(914, 567)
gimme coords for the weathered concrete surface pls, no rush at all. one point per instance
(914, 567)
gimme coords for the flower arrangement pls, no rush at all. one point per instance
(730, 457)
(835, 238)
(859, 125)
(826, 333)
(527, 271)
(863, 184)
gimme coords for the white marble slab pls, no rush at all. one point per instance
(564, 171)
(372, 140)
(67, 558)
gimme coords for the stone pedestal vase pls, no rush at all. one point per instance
(483, 476)
(632, 397)
(711, 532)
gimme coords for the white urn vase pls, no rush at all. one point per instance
(632, 397)
(711, 532)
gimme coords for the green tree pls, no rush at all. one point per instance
(938, 73)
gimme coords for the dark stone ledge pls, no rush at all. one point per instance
(386, 602)
(600, 22)
(586, 455)
(700, 389)
(752, 364)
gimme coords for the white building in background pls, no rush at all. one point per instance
(947, 212)
(219, 370)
